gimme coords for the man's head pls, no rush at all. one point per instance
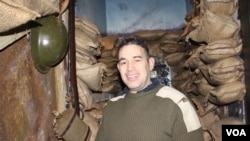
(134, 63)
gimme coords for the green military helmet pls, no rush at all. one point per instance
(49, 42)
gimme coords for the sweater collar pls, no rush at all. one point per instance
(155, 83)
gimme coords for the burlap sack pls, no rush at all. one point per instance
(108, 41)
(174, 58)
(89, 29)
(224, 71)
(108, 59)
(113, 87)
(14, 13)
(211, 27)
(154, 49)
(227, 7)
(203, 87)
(178, 67)
(210, 117)
(184, 75)
(92, 76)
(194, 60)
(110, 73)
(82, 39)
(106, 53)
(85, 56)
(85, 43)
(172, 47)
(150, 35)
(110, 63)
(85, 98)
(228, 93)
(111, 78)
(82, 65)
(89, 50)
(221, 49)
(171, 36)
(6, 40)
(206, 111)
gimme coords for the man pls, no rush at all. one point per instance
(146, 110)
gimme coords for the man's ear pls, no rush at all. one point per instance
(118, 67)
(151, 63)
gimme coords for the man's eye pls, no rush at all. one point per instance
(137, 60)
(122, 63)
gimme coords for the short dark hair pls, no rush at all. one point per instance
(122, 41)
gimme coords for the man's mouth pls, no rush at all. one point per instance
(131, 77)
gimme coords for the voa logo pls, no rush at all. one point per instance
(236, 132)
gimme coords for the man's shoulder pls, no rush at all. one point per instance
(171, 93)
(190, 116)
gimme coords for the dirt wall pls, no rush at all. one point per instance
(27, 98)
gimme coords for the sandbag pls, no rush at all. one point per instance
(88, 28)
(82, 65)
(111, 78)
(204, 109)
(174, 58)
(203, 87)
(211, 27)
(154, 49)
(209, 119)
(112, 87)
(227, 7)
(108, 41)
(228, 93)
(81, 39)
(172, 47)
(183, 80)
(110, 72)
(14, 13)
(85, 57)
(184, 75)
(221, 49)
(92, 76)
(150, 35)
(171, 36)
(85, 97)
(178, 67)
(85, 43)
(194, 60)
(224, 71)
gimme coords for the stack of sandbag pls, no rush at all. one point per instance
(111, 80)
(217, 32)
(175, 54)
(214, 70)
(89, 71)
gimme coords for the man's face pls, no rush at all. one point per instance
(135, 67)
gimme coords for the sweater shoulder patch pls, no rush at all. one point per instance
(190, 116)
(117, 98)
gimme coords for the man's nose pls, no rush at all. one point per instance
(130, 65)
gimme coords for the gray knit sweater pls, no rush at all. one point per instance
(160, 114)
